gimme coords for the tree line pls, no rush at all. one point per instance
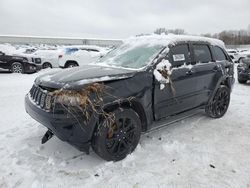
(230, 37)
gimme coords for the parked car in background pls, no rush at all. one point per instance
(32, 58)
(142, 85)
(243, 70)
(238, 55)
(243, 54)
(49, 58)
(16, 64)
(80, 55)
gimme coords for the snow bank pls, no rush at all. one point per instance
(7, 49)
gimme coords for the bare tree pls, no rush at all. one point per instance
(177, 31)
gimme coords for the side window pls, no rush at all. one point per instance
(219, 54)
(179, 55)
(202, 53)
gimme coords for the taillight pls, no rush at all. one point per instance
(60, 56)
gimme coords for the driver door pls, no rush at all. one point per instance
(182, 95)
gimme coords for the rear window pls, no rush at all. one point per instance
(202, 53)
(179, 55)
(219, 54)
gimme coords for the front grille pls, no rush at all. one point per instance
(41, 97)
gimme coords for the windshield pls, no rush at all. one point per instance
(130, 56)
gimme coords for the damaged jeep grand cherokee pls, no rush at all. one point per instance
(142, 85)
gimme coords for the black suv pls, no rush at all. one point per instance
(142, 85)
(244, 71)
(16, 64)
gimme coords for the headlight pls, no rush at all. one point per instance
(68, 100)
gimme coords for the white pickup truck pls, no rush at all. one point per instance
(80, 55)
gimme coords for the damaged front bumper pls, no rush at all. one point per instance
(66, 127)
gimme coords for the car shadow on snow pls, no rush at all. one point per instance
(62, 155)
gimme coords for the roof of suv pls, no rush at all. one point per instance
(171, 39)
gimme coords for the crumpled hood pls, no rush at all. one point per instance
(79, 76)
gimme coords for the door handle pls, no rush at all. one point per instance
(190, 72)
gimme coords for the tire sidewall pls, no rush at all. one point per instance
(99, 138)
(210, 111)
(17, 63)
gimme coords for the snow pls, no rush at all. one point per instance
(163, 65)
(197, 152)
(170, 39)
(7, 48)
(101, 79)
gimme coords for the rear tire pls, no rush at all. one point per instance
(242, 81)
(71, 65)
(113, 141)
(17, 68)
(219, 104)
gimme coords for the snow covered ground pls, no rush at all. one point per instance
(197, 152)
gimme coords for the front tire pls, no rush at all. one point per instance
(219, 104)
(17, 68)
(114, 140)
(47, 65)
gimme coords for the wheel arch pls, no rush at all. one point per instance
(47, 63)
(70, 61)
(134, 105)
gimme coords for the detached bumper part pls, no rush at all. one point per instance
(48, 135)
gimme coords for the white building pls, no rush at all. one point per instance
(58, 40)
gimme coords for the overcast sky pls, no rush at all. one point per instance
(119, 18)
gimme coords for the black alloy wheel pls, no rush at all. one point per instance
(114, 140)
(219, 105)
(17, 68)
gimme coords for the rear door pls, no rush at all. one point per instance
(206, 71)
(182, 95)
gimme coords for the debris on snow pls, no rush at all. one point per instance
(163, 72)
(212, 166)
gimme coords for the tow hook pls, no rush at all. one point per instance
(48, 135)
